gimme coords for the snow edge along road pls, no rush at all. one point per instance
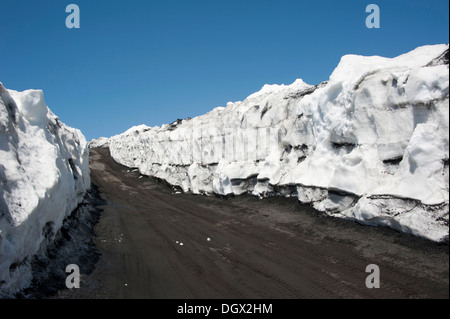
(44, 176)
(370, 144)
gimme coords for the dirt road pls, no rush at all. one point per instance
(155, 243)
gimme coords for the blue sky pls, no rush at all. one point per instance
(150, 62)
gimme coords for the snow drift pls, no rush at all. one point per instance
(371, 144)
(44, 175)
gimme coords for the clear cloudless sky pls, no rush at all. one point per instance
(151, 62)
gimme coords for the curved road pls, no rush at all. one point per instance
(157, 243)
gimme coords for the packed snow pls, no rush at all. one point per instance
(371, 144)
(44, 174)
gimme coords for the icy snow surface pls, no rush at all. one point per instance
(371, 144)
(44, 175)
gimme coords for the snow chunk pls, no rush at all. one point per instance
(32, 106)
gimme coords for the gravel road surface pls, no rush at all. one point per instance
(155, 242)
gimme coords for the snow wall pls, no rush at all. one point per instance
(44, 175)
(371, 144)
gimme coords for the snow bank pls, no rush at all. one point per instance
(44, 175)
(101, 142)
(371, 144)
